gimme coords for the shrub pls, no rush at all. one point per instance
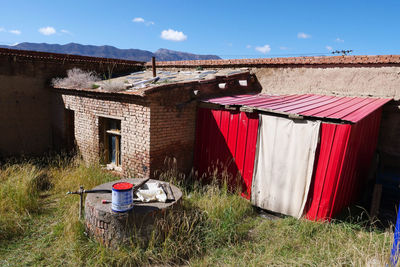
(76, 78)
(113, 85)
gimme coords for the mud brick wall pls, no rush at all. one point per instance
(362, 76)
(31, 114)
(377, 76)
(134, 114)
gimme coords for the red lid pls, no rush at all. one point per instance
(122, 186)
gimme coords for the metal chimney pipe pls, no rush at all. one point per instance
(153, 65)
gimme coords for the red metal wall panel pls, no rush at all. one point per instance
(342, 166)
(226, 140)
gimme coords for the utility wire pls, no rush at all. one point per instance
(277, 55)
(343, 52)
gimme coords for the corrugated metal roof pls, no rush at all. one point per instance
(350, 109)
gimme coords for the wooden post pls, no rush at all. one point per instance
(153, 65)
(376, 201)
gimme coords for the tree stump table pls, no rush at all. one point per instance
(115, 228)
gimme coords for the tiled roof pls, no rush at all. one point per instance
(64, 57)
(321, 60)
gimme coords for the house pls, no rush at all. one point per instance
(134, 130)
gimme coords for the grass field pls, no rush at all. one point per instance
(39, 226)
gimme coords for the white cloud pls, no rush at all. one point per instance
(17, 32)
(138, 20)
(283, 48)
(47, 30)
(66, 32)
(142, 20)
(338, 40)
(302, 35)
(14, 44)
(248, 46)
(173, 35)
(330, 48)
(263, 49)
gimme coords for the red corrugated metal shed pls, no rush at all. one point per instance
(347, 109)
(349, 134)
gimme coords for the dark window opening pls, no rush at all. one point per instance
(69, 130)
(110, 141)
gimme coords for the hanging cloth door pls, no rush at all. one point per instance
(284, 164)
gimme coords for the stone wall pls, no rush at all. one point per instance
(31, 114)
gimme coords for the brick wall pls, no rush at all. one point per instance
(152, 129)
(156, 125)
(134, 114)
(172, 129)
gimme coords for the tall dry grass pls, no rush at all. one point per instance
(19, 196)
(213, 226)
(207, 217)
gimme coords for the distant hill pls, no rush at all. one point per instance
(107, 51)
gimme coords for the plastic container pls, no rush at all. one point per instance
(394, 257)
(122, 197)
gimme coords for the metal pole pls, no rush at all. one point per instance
(153, 65)
(81, 203)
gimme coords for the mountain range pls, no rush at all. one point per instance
(107, 51)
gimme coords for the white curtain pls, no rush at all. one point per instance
(284, 164)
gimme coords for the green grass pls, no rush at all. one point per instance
(19, 197)
(40, 227)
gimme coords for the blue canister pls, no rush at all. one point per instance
(122, 197)
(394, 257)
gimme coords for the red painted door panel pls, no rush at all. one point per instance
(226, 140)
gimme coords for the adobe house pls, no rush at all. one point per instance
(133, 131)
(31, 113)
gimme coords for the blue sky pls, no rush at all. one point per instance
(230, 29)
